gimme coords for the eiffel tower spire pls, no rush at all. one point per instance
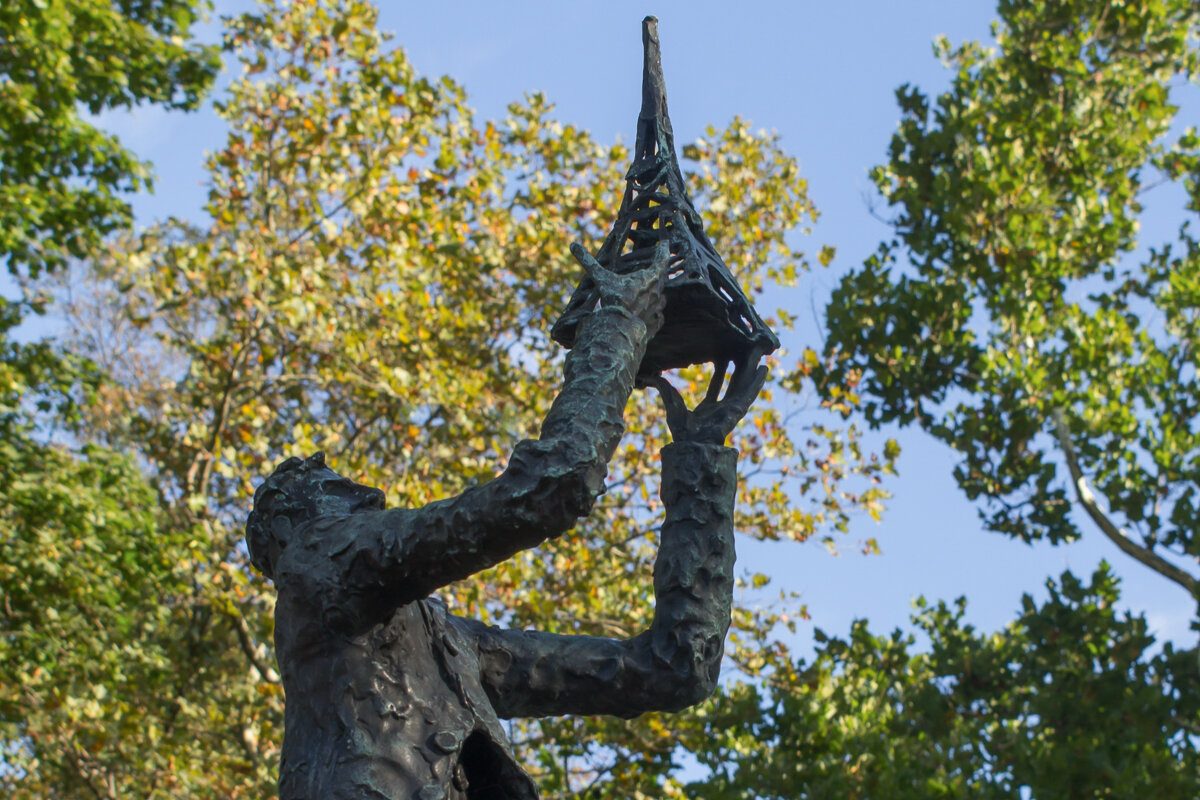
(708, 316)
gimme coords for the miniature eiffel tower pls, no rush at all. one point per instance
(708, 316)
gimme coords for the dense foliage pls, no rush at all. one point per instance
(1071, 700)
(376, 280)
(62, 179)
(1026, 330)
(1014, 318)
(89, 637)
(375, 277)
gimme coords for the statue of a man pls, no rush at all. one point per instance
(391, 697)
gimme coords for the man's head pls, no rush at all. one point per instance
(298, 491)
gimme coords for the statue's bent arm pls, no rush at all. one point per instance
(387, 558)
(676, 662)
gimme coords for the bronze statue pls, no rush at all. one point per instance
(391, 697)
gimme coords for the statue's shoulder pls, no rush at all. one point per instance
(346, 550)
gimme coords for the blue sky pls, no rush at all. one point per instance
(822, 75)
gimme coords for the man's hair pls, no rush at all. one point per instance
(280, 504)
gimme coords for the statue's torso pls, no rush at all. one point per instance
(393, 713)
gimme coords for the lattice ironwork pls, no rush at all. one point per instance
(708, 316)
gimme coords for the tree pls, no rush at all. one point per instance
(61, 177)
(1071, 700)
(91, 632)
(1025, 331)
(377, 280)
(89, 635)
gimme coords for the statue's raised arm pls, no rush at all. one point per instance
(362, 561)
(676, 662)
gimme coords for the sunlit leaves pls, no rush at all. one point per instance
(62, 179)
(377, 280)
(1072, 699)
(1016, 197)
(93, 593)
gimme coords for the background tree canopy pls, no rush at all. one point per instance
(61, 178)
(1023, 332)
(1072, 700)
(375, 277)
(91, 639)
(376, 280)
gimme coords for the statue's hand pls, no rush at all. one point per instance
(713, 419)
(640, 292)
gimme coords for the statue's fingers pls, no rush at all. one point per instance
(745, 371)
(677, 410)
(591, 266)
(672, 399)
(749, 391)
(717, 382)
(654, 277)
(736, 406)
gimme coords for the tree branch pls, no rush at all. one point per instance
(1116, 534)
(263, 669)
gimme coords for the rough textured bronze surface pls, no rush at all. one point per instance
(386, 695)
(708, 316)
(391, 697)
